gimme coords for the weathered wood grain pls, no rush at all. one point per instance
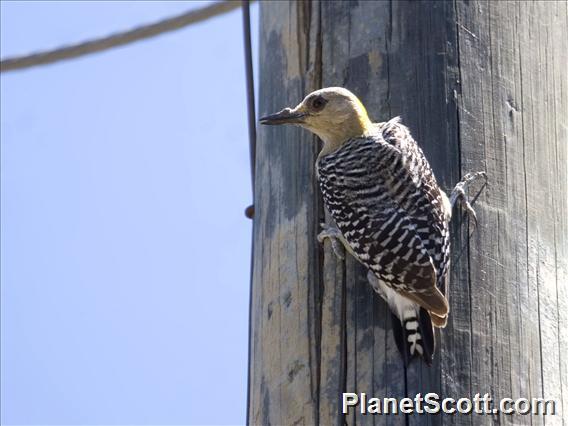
(482, 86)
(508, 127)
(284, 378)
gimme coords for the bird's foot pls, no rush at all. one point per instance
(458, 193)
(334, 235)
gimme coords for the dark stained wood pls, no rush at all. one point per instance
(482, 86)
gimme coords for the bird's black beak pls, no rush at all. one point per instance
(286, 116)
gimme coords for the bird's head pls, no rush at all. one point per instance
(334, 114)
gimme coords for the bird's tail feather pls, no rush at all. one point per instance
(412, 325)
(414, 335)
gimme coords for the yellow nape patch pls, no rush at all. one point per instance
(362, 116)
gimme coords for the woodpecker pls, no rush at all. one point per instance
(388, 210)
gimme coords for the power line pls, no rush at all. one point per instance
(119, 39)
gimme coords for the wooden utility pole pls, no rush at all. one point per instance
(483, 86)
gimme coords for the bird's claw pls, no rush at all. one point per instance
(333, 234)
(462, 197)
(458, 193)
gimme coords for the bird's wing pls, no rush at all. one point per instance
(357, 184)
(424, 201)
(389, 245)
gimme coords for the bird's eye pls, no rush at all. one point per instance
(318, 103)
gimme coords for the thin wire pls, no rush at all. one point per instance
(250, 86)
(118, 39)
(252, 150)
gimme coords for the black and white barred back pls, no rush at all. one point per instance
(384, 198)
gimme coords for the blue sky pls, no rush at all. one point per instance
(125, 252)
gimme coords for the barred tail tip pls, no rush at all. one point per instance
(414, 337)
